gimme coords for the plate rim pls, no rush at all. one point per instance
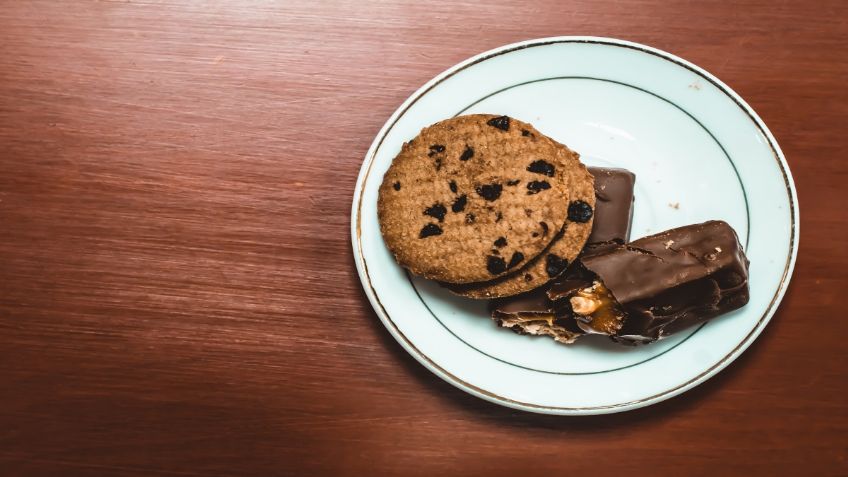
(409, 346)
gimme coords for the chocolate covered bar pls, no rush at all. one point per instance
(532, 312)
(613, 204)
(655, 286)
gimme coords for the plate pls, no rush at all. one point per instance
(699, 152)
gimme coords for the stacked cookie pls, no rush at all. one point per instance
(487, 205)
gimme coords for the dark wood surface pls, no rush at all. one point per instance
(177, 293)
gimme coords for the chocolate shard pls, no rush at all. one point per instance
(660, 284)
(532, 313)
(613, 204)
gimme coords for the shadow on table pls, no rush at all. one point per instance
(486, 410)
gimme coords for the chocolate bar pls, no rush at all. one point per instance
(532, 312)
(655, 286)
(613, 204)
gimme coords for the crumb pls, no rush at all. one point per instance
(668, 244)
(718, 249)
(696, 85)
(675, 205)
(219, 59)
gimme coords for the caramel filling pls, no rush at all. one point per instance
(596, 307)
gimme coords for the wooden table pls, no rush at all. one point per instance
(177, 293)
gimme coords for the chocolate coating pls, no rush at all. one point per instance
(613, 204)
(673, 280)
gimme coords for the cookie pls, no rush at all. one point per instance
(474, 198)
(553, 260)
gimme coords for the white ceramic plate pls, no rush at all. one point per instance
(699, 152)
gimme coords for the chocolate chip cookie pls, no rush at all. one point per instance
(475, 198)
(555, 259)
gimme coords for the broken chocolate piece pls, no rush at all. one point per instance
(533, 313)
(500, 242)
(513, 182)
(613, 204)
(665, 282)
(452, 186)
(396, 185)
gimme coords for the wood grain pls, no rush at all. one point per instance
(177, 293)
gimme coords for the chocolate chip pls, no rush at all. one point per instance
(498, 217)
(579, 211)
(525, 132)
(469, 218)
(535, 234)
(528, 277)
(495, 265)
(490, 192)
(500, 122)
(396, 185)
(544, 228)
(459, 204)
(467, 154)
(536, 186)
(541, 167)
(513, 182)
(500, 242)
(430, 230)
(436, 149)
(517, 258)
(437, 210)
(452, 186)
(555, 265)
